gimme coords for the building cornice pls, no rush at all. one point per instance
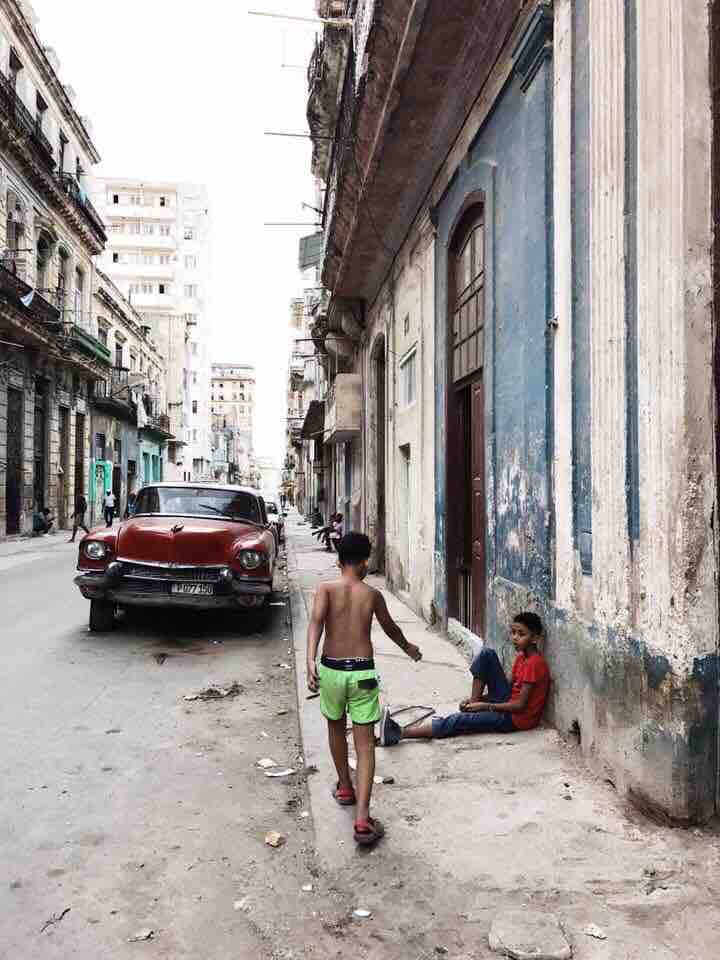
(42, 64)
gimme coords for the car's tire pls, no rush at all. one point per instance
(102, 616)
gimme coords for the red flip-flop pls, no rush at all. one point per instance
(344, 796)
(368, 831)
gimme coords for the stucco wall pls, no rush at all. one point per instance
(401, 323)
(626, 584)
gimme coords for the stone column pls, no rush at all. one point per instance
(607, 309)
(678, 602)
(562, 161)
(3, 447)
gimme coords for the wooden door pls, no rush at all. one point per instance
(478, 509)
(466, 493)
(64, 440)
(14, 475)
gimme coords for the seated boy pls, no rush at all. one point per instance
(506, 706)
(347, 680)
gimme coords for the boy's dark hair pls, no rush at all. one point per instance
(530, 620)
(353, 549)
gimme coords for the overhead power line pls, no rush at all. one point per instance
(341, 23)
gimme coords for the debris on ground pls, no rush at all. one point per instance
(141, 936)
(282, 713)
(361, 914)
(529, 935)
(307, 888)
(312, 696)
(114, 730)
(274, 839)
(160, 658)
(279, 773)
(216, 693)
(243, 905)
(266, 763)
(55, 919)
(592, 930)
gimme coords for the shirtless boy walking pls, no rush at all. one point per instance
(346, 678)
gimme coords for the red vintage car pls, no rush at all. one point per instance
(192, 545)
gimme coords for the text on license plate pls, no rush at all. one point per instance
(193, 589)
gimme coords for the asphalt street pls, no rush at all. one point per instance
(125, 808)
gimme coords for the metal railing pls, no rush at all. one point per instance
(316, 67)
(72, 189)
(23, 121)
(13, 288)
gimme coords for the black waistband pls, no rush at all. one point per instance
(348, 663)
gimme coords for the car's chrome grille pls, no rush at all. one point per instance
(141, 585)
(177, 574)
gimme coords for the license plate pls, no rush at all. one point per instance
(193, 589)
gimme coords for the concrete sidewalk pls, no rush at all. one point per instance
(476, 825)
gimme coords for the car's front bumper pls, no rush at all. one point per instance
(235, 594)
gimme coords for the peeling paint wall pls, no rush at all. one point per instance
(403, 316)
(631, 610)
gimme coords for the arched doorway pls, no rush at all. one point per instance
(380, 417)
(466, 489)
(15, 234)
(42, 263)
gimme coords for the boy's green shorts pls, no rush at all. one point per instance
(355, 692)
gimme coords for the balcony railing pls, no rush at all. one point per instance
(316, 67)
(24, 122)
(14, 289)
(72, 189)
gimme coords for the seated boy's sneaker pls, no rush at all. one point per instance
(390, 732)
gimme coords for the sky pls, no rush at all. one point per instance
(183, 90)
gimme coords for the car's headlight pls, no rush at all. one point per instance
(252, 559)
(95, 551)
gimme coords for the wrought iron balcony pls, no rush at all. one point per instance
(18, 116)
(13, 289)
(72, 189)
(160, 424)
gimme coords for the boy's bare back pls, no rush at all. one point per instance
(348, 607)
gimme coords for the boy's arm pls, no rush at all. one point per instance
(512, 706)
(392, 629)
(315, 630)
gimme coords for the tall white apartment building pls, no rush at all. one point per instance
(158, 254)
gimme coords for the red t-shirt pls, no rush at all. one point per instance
(531, 669)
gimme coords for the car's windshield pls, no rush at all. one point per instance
(198, 502)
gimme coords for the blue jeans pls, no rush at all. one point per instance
(486, 668)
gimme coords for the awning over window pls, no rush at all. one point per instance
(310, 250)
(314, 425)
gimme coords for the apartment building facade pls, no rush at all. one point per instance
(232, 409)
(158, 254)
(128, 423)
(521, 257)
(50, 235)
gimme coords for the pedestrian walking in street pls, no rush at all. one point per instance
(109, 508)
(346, 678)
(505, 707)
(78, 517)
(130, 505)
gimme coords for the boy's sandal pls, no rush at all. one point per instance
(344, 796)
(367, 832)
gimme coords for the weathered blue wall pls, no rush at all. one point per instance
(509, 161)
(648, 721)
